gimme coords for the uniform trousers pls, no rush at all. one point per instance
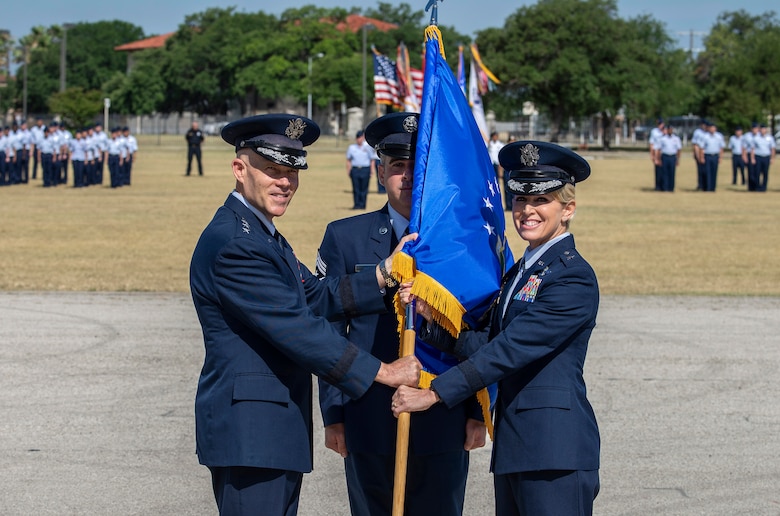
(737, 163)
(701, 174)
(24, 166)
(47, 166)
(89, 173)
(659, 172)
(128, 170)
(710, 172)
(12, 171)
(668, 166)
(113, 169)
(3, 180)
(546, 493)
(246, 491)
(194, 150)
(35, 164)
(435, 484)
(99, 170)
(79, 177)
(63, 171)
(360, 177)
(762, 172)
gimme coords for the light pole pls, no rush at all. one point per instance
(308, 104)
(5, 36)
(24, 81)
(63, 53)
(365, 28)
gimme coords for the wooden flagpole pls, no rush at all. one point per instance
(404, 420)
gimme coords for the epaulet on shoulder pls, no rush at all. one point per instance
(243, 228)
(570, 257)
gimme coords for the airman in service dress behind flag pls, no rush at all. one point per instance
(546, 447)
(360, 168)
(266, 324)
(363, 430)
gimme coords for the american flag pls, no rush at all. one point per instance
(387, 87)
(385, 81)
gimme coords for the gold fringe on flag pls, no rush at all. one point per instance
(482, 397)
(447, 310)
(433, 32)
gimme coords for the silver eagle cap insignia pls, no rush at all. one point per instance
(410, 124)
(529, 155)
(295, 129)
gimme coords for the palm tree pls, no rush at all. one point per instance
(38, 39)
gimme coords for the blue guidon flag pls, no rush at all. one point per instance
(461, 253)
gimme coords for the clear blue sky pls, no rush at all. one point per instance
(467, 16)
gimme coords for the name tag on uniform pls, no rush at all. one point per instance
(362, 266)
(529, 290)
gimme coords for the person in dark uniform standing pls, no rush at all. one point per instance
(669, 147)
(546, 449)
(38, 133)
(194, 138)
(737, 147)
(763, 153)
(712, 145)
(363, 431)
(360, 168)
(266, 328)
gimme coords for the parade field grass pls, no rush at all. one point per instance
(140, 238)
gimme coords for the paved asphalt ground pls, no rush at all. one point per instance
(96, 409)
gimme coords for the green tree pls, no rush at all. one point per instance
(6, 44)
(739, 71)
(76, 106)
(90, 58)
(142, 91)
(575, 58)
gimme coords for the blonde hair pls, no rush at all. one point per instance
(564, 196)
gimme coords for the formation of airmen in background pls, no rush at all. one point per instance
(754, 151)
(55, 148)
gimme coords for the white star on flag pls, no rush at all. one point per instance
(490, 186)
(489, 228)
(488, 204)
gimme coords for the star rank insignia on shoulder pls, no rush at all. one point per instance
(245, 226)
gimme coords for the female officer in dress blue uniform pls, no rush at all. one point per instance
(546, 449)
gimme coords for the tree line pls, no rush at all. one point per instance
(571, 58)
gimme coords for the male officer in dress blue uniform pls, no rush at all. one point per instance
(266, 328)
(363, 431)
